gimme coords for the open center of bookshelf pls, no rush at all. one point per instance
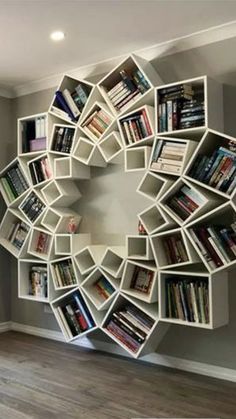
(110, 203)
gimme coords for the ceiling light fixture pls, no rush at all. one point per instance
(57, 36)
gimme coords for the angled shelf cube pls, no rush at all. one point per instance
(70, 99)
(100, 288)
(70, 168)
(32, 207)
(138, 127)
(139, 247)
(62, 139)
(87, 152)
(64, 273)
(58, 220)
(111, 147)
(98, 122)
(40, 243)
(40, 170)
(113, 260)
(194, 299)
(153, 186)
(154, 219)
(137, 158)
(185, 108)
(61, 193)
(14, 183)
(14, 232)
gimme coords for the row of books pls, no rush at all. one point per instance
(130, 326)
(185, 201)
(33, 134)
(40, 170)
(104, 288)
(97, 123)
(69, 104)
(175, 249)
(74, 315)
(217, 170)
(216, 243)
(18, 233)
(168, 156)
(136, 127)
(180, 107)
(63, 139)
(38, 281)
(187, 300)
(32, 207)
(63, 273)
(142, 279)
(14, 182)
(130, 87)
(42, 243)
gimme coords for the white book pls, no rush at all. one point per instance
(70, 102)
(203, 251)
(194, 302)
(38, 127)
(194, 195)
(222, 258)
(126, 127)
(42, 127)
(60, 113)
(64, 323)
(169, 115)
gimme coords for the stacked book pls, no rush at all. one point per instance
(128, 89)
(74, 315)
(142, 279)
(42, 243)
(187, 300)
(17, 234)
(216, 243)
(70, 104)
(217, 169)
(130, 326)
(33, 134)
(180, 107)
(104, 288)
(168, 156)
(97, 123)
(185, 201)
(32, 207)
(38, 281)
(14, 182)
(136, 127)
(63, 139)
(63, 273)
(40, 170)
(175, 249)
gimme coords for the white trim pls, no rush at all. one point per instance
(168, 361)
(184, 43)
(5, 327)
(7, 92)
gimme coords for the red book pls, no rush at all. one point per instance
(203, 236)
(148, 126)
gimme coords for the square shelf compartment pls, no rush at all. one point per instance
(138, 126)
(88, 153)
(33, 207)
(137, 158)
(100, 288)
(140, 281)
(213, 237)
(34, 281)
(40, 170)
(32, 133)
(62, 139)
(85, 260)
(128, 83)
(154, 219)
(111, 147)
(212, 164)
(40, 243)
(194, 299)
(61, 193)
(71, 98)
(113, 261)
(185, 202)
(172, 248)
(98, 122)
(13, 183)
(139, 247)
(74, 315)
(153, 186)
(64, 273)
(170, 155)
(177, 99)
(14, 232)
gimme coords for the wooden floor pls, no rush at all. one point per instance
(46, 379)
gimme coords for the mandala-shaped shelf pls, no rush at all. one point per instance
(173, 269)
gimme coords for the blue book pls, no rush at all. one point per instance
(64, 106)
(84, 312)
(222, 152)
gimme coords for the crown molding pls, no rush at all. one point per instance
(184, 43)
(8, 93)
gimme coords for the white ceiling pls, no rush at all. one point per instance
(95, 30)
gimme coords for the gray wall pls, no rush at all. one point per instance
(216, 347)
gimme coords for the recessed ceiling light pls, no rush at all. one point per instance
(57, 36)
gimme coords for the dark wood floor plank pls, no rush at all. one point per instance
(46, 379)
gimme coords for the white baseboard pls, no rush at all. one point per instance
(5, 326)
(154, 358)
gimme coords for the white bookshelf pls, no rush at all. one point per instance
(117, 263)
